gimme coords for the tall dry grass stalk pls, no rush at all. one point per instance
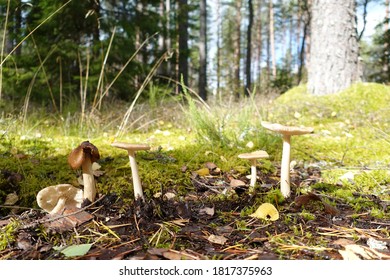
(127, 115)
(30, 87)
(99, 88)
(2, 49)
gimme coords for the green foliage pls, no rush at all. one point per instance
(7, 233)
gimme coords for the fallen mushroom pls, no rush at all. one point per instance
(253, 157)
(287, 132)
(131, 149)
(55, 199)
(83, 156)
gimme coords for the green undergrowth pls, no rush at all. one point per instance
(351, 134)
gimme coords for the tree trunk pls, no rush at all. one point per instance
(203, 51)
(183, 43)
(333, 62)
(219, 48)
(272, 38)
(237, 51)
(248, 65)
(259, 43)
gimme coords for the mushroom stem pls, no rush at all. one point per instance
(285, 167)
(138, 193)
(88, 179)
(60, 206)
(253, 173)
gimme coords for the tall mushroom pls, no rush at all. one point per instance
(131, 150)
(287, 132)
(83, 156)
(55, 199)
(253, 157)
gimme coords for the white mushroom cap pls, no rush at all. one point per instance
(55, 199)
(252, 157)
(286, 130)
(131, 147)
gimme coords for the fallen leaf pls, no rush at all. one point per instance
(266, 211)
(207, 210)
(74, 250)
(11, 199)
(217, 239)
(210, 165)
(169, 195)
(237, 183)
(305, 199)
(203, 172)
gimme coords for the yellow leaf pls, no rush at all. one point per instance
(203, 172)
(266, 211)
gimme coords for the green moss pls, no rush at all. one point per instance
(351, 126)
(7, 233)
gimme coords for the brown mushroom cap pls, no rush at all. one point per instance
(49, 197)
(287, 130)
(254, 155)
(78, 155)
(131, 147)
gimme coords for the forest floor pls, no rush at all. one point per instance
(194, 208)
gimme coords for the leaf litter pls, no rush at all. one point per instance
(211, 221)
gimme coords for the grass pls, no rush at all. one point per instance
(216, 133)
(183, 144)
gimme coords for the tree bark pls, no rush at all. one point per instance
(237, 50)
(203, 51)
(333, 62)
(183, 43)
(248, 65)
(272, 38)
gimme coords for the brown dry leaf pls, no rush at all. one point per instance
(329, 209)
(210, 165)
(217, 239)
(348, 255)
(207, 210)
(11, 199)
(305, 199)
(237, 183)
(355, 252)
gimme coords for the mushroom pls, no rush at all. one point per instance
(55, 199)
(253, 157)
(84, 155)
(131, 149)
(287, 132)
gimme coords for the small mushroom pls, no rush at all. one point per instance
(55, 199)
(287, 132)
(131, 149)
(253, 157)
(83, 156)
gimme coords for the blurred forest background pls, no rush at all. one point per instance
(56, 52)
